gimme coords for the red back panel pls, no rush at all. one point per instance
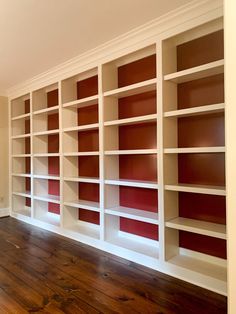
(52, 98)
(88, 115)
(88, 192)
(206, 91)
(53, 143)
(139, 228)
(53, 166)
(54, 208)
(138, 167)
(27, 184)
(89, 216)
(199, 51)
(137, 71)
(88, 141)
(138, 136)
(27, 106)
(53, 121)
(203, 244)
(54, 189)
(27, 126)
(206, 169)
(87, 87)
(139, 198)
(211, 208)
(27, 165)
(28, 202)
(201, 131)
(137, 105)
(27, 145)
(88, 166)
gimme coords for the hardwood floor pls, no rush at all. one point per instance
(41, 272)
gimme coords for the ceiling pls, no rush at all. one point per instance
(36, 35)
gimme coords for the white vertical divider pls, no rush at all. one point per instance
(61, 150)
(10, 154)
(32, 155)
(101, 153)
(159, 91)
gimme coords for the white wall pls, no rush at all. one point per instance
(4, 174)
(230, 72)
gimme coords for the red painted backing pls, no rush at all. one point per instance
(206, 91)
(28, 189)
(199, 51)
(27, 165)
(53, 143)
(53, 166)
(52, 98)
(27, 145)
(203, 244)
(137, 105)
(28, 202)
(206, 169)
(88, 141)
(88, 115)
(27, 126)
(211, 208)
(138, 167)
(54, 189)
(138, 136)
(88, 191)
(87, 87)
(89, 216)
(139, 198)
(139, 228)
(53, 121)
(197, 131)
(88, 166)
(137, 71)
(27, 106)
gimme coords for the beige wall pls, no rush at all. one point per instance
(230, 76)
(4, 176)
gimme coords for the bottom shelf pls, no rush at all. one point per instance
(21, 204)
(201, 263)
(130, 241)
(42, 213)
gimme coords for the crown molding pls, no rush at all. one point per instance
(202, 11)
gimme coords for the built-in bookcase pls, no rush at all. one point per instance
(129, 155)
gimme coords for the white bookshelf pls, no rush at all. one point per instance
(98, 85)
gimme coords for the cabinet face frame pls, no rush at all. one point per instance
(104, 68)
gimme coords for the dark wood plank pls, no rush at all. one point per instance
(46, 273)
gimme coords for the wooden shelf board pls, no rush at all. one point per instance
(46, 155)
(48, 198)
(133, 89)
(92, 126)
(86, 229)
(21, 155)
(82, 179)
(56, 131)
(22, 116)
(49, 218)
(15, 137)
(195, 111)
(89, 205)
(202, 189)
(196, 226)
(24, 194)
(131, 152)
(189, 150)
(71, 154)
(134, 120)
(24, 175)
(135, 243)
(46, 177)
(49, 110)
(24, 211)
(205, 267)
(198, 72)
(84, 102)
(134, 183)
(132, 213)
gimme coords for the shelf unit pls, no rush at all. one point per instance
(194, 147)
(127, 154)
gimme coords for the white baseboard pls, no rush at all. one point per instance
(4, 212)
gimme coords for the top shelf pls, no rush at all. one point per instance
(195, 73)
(84, 102)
